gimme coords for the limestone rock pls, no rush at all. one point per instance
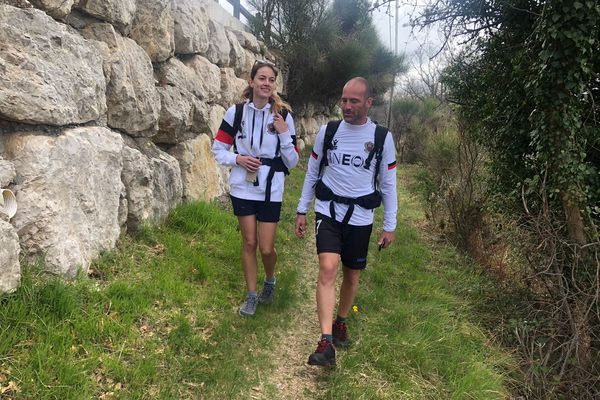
(231, 87)
(17, 3)
(152, 182)
(50, 75)
(208, 76)
(247, 40)
(174, 73)
(7, 173)
(249, 61)
(68, 189)
(191, 27)
(218, 44)
(10, 268)
(237, 55)
(153, 28)
(119, 13)
(133, 102)
(183, 114)
(199, 170)
(216, 114)
(55, 8)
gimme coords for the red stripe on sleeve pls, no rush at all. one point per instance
(224, 137)
(392, 165)
(314, 155)
(296, 148)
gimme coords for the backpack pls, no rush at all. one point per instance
(377, 152)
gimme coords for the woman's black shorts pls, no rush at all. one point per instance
(264, 212)
(351, 242)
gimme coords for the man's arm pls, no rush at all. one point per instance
(387, 182)
(308, 189)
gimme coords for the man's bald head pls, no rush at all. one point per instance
(356, 101)
(359, 80)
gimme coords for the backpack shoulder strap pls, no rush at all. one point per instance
(237, 119)
(330, 130)
(380, 134)
(284, 113)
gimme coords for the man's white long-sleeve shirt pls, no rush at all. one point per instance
(346, 175)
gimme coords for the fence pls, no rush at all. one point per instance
(239, 10)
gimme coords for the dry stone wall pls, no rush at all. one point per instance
(107, 113)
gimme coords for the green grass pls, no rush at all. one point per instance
(158, 319)
(414, 337)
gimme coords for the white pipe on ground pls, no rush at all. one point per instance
(8, 203)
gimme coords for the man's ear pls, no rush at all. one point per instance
(369, 102)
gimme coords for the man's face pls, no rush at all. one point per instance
(354, 104)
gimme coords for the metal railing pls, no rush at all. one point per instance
(239, 10)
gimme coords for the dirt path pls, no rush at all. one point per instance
(292, 377)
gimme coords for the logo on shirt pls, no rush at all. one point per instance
(334, 144)
(369, 146)
(271, 129)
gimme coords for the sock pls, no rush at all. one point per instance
(340, 319)
(252, 293)
(329, 338)
(271, 281)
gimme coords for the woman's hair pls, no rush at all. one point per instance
(277, 103)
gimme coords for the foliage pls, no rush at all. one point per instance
(324, 45)
(525, 87)
(415, 121)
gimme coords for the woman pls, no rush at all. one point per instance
(262, 132)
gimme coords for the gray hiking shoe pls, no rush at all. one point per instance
(248, 307)
(267, 293)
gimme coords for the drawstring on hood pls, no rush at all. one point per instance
(263, 112)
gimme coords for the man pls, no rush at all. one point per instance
(346, 197)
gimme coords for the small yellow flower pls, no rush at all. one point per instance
(355, 308)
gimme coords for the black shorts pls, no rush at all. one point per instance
(351, 242)
(264, 212)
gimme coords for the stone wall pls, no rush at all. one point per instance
(107, 114)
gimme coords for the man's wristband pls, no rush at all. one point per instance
(300, 213)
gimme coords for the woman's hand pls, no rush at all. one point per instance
(248, 162)
(279, 123)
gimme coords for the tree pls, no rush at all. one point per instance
(324, 45)
(525, 85)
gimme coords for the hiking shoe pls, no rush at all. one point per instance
(248, 307)
(267, 293)
(340, 335)
(324, 355)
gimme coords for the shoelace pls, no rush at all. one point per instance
(341, 328)
(322, 345)
(251, 300)
(267, 290)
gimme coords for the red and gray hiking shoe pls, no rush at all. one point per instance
(324, 355)
(340, 335)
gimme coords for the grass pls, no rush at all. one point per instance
(157, 319)
(416, 338)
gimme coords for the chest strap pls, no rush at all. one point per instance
(368, 201)
(276, 165)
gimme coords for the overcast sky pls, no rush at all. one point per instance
(409, 40)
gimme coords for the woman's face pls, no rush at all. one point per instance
(263, 84)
